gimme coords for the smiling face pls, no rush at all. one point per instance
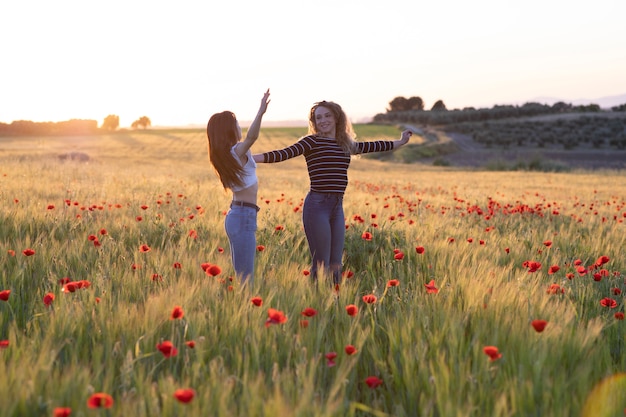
(325, 121)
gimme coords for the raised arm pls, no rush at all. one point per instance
(255, 127)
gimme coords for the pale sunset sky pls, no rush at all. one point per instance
(178, 62)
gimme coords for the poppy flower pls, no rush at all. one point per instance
(62, 412)
(470, 240)
(431, 288)
(348, 274)
(547, 243)
(492, 352)
(597, 277)
(393, 283)
(330, 359)
(220, 250)
(373, 381)
(602, 260)
(555, 289)
(533, 266)
(139, 218)
(352, 310)
(581, 270)
(177, 265)
(48, 299)
(619, 315)
(193, 234)
(420, 249)
(213, 270)
(539, 325)
(184, 395)
(28, 252)
(507, 250)
(608, 302)
(350, 350)
(4, 344)
(616, 291)
(167, 349)
(177, 313)
(144, 248)
(260, 248)
(103, 232)
(369, 298)
(398, 256)
(309, 312)
(4, 295)
(366, 236)
(11, 252)
(553, 269)
(275, 317)
(91, 238)
(100, 400)
(257, 301)
(306, 272)
(190, 344)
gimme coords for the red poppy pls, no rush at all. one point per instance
(352, 310)
(257, 301)
(555, 289)
(533, 266)
(28, 252)
(553, 269)
(420, 249)
(330, 359)
(144, 248)
(393, 283)
(616, 291)
(193, 234)
(578, 262)
(144, 207)
(366, 236)
(539, 325)
(213, 270)
(431, 288)
(279, 227)
(48, 299)
(451, 240)
(4, 295)
(190, 344)
(184, 395)
(62, 412)
(275, 317)
(11, 252)
(4, 344)
(304, 323)
(373, 381)
(350, 350)
(608, 302)
(398, 256)
(492, 352)
(597, 277)
(177, 313)
(309, 312)
(347, 274)
(220, 250)
(135, 267)
(602, 260)
(91, 238)
(581, 270)
(167, 349)
(100, 400)
(547, 243)
(470, 240)
(139, 218)
(507, 250)
(306, 272)
(103, 232)
(177, 265)
(260, 248)
(369, 298)
(619, 315)
(50, 206)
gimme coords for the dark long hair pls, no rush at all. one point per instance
(223, 133)
(344, 134)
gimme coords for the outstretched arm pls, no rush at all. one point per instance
(404, 139)
(255, 127)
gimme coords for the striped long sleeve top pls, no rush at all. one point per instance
(326, 161)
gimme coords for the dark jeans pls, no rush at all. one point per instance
(325, 229)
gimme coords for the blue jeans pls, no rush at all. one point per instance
(240, 225)
(325, 229)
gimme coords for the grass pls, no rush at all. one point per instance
(156, 188)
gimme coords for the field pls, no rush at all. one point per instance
(465, 293)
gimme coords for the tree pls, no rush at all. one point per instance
(416, 103)
(398, 104)
(111, 122)
(439, 106)
(143, 121)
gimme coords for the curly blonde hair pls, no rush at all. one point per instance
(343, 128)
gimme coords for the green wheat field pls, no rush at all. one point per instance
(465, 293)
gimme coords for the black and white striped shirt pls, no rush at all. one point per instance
(326, 161)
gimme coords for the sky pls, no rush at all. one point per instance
(179, 62)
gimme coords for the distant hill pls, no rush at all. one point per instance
(604, 102)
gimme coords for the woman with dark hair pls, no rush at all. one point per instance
(232, 160)
(327, 150)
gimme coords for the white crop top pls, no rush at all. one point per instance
(248, 177)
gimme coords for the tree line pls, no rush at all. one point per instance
(71, 127)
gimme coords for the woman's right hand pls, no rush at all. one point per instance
(264, 102)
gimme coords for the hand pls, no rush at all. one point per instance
(264, 102)
(406, 135)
